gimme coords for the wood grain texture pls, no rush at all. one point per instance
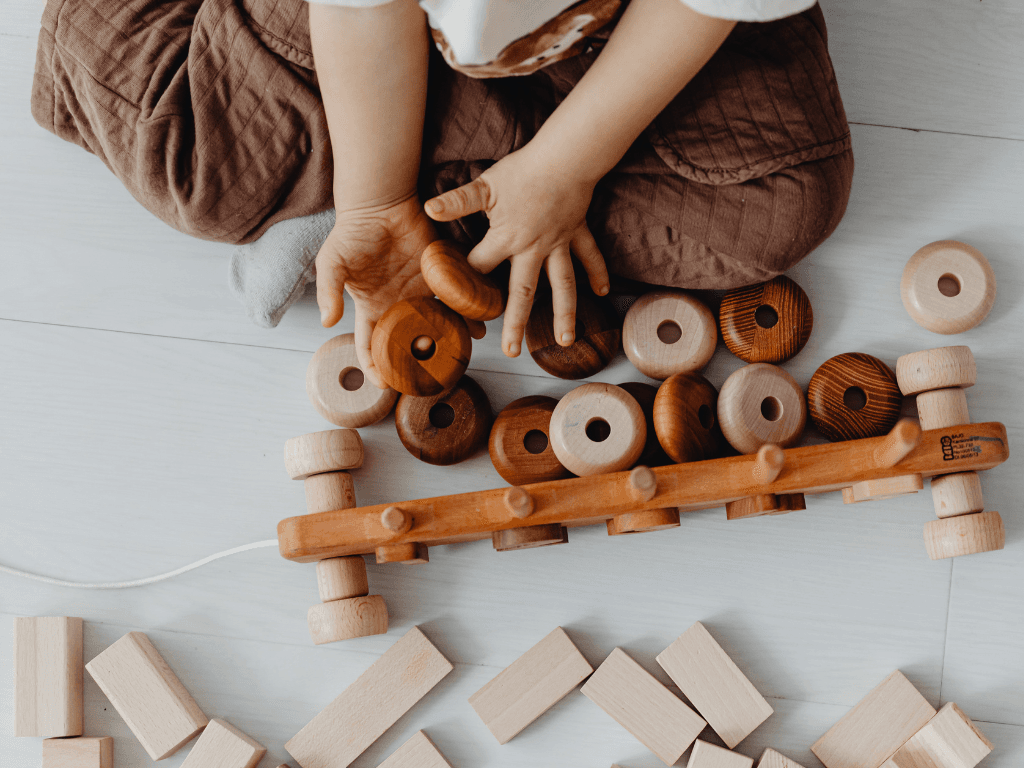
(852, 373)
(753, 506)
(768, 463)
(949, 740)
(598, 335)
(760, 404)
(371, 704)
(643, 522)
(409, 553)
(754, 342)
(948, 287)
(530, 685)
(957, 494)
(529, 537)
(964, 535)
(339, 390)
(937, 368)
(79, 752)
(685, 416)
(346, 619)
(593, 405)
(48, 676)
(886, 487)
(705, 755)
(409, 370)
(329, 491)
(425, 430)
(873, 730)
(417, 752)
(148, 695)
(714, 685)
(507, 445)
(519, 502)
(470, 293)
(221, 745)
(338, 578)
(901, 440)
(666, 332)
(942, 408)
(635, 700)
(653, 454)
(772, 759)
(317, 452)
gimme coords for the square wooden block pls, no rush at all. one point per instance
(772, 759)
(417, 752)
(81, 752)
(221, 745)
(706, 755)
(48, 676)
(949, 740)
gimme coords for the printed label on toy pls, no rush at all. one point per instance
(963, 446)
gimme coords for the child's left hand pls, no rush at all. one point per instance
(537, 215)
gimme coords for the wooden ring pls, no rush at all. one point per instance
(339, 578)
(447, 428)
(643, 521)
(597, 428)
(346, 619)
(759, 404)
(852, 396)
(964, 535)
(667, 332)
(529, 537)
(766, 323)
(597, 339)
(686, 418)
(939, 368)
(948, 287)
(520, 443)
(340, 391)
(333, 450)
(451, 278)
(645, 394)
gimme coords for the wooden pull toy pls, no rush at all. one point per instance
(334, 450)
(761, 404)
(766, 323)
(939, 368)
(948, 287)
(519, 502)
(597, 428)
(653, 454)
(854, 395)
(530, 537)
(520, 443)
(667, 332)
(447, 428)
(338, 389)
(451, 278)
(597, 340)
(685, 418)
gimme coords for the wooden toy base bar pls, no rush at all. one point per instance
(592, 500)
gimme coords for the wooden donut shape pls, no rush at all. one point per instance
(948, 287)
(333, 450)
(653, 454)
(520, 444)
(746, 315)
(667, 332)
(598, 336)
(597, 428)
(685, 418)
(397, 353)
(939, 368)
(530, 537)
(346, 619)
(760, 404)
(964, 535)
(451, 278)
(425, 430)
(854, 395)
(338, 389)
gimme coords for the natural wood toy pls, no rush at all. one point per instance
(421, 347)
(224, 746)
(647, 709)
(520, 444)
(948, 287)
(685, 418)
(597, 428)
(854, 395)
(446, 428)
(529, 537)
(79, 752)
(653, 454)
(705, 755)
(470, 293)
(714, 685)
(768, 465)
(417, 752)
(879, 725)
(667, 332)
(371, 704)
(317, 452)
(48, 676)
(949, 740)
(772, 759)
(338, 389)
(148, 695)
(348, 610)
(598, 335)
(531, 685)
(760, 404)
(766, 323)
(329, 490)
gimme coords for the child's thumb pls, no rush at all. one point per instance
(459, 202)
(330, 287)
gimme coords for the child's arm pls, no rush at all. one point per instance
(537, 198)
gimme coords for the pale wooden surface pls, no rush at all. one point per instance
(706, 755)
(221, 745)
(79, 752)
(48, 676)
(143, 419)
(949, 738)
(417, 752)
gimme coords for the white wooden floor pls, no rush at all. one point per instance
(142, 418)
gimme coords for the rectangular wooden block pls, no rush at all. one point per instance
(148, 695)
(370, 705)
(873, 730)
(221, 745)
(417, 752)
(706, 755)
(530, 685)
(81, 752)
(647, 709)
(714, 685)
(48, 676)
(772, 759)
(949, 740)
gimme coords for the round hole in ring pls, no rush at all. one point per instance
(535, 441)
(423, 348)
(855, 398)
(441, 415)
(949, 285)
(706, 416)
(351, 379)
(598, 429)
(766, 317)
(670, 332)
(771, 408)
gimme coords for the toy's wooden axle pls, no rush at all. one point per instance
(692, 486)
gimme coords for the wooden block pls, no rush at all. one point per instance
(643, 521)
(531, 685)
(48, 676)
(643, 706)
(412, 366)
(519, 443)
(330, 451)
(949, 740)
(772, 759)
(941, 408)
(957, 494)
(529, 537)
(705, 755)
(938, 368)
(598, 335)
(80, 752)
(222, 745)
(874, 729)
(948, 287)
(338, 389)
(714, 685)
(901, 440)
(854, 395)
(766, 323)
(147, 694)
(964, 535)
(410, 553)
(886, 487)
(370, 705)
(597, 428)
(653, 454)
(329, 491)
(449, 275)
(667, 332)
(417, 752)
(338, 578)
(446, 428)
(761, 404)
(686, 418)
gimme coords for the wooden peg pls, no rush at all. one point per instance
(518, 502)
(653, 454)
(598, 335)
(48, 676)
(948, 287)
(520, 445)
(705, 755)
(941, 408)
(957, 494)
(329, 491)
(409, 553)
(772, 759)
(939, 368)
(79, 752)
(854, 395)
(406, 361)
(643, 485)
(766, 323)
(643, 521)
(667, 332)
(447, 428)
(761, 404)
(338, 578)
(768, 464)
(224, 746)
(338, 389)
(349, 618)
(901, 440)
(331, 451)
(597, 428)
(685, 418)
(948, 739)
(964, 535)
(396, 520)
(449, 275)
(529, 537)
(417, 752)
(886, 487)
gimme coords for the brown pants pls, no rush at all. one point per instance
(209, 112)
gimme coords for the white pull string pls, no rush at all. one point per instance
(138, 582)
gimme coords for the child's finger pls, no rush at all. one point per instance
(522, 286)
(586, 250)
(364, 333)
(459, 202)
(477, 330)
(563, 294)
(330, 287)
(487, 254)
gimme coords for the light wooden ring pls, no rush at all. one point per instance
(938, 368)
(346, 619)
(759, 404)
(964, 535)
(643, 521)
(338, 389)
(948, 287)
(331, 451)
(667, 332)
(579, 415)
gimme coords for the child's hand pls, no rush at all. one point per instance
(376, 255)
(537, 214)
